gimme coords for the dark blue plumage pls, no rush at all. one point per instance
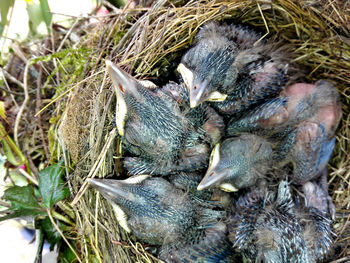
(300, 123)
(239, 161)
(164, 135)
(157, 213)
(318, 103)
(230, 66)
(268, 226)
(214, 247)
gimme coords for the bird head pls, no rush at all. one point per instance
(149, 119)
(125, 86)
(264, 226)
(206, 78)
(236, 163)
(152, 208)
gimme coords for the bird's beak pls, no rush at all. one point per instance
(117, 192)
(215, 176)
(186, 74)
(197, 91)
(123, 83)
(216, 96)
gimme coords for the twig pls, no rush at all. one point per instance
(12, 79)
(39, 243)
(67, 34)
(67, 91)
(26, 99)
(341, 260)
(266, 26)
(11, 95)
(60, 232)
(37, 108)
(96, 221)
(109, 5)
(30, 178)
(62, 218)
(96, 166)
(11, 92)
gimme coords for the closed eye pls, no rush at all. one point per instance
(121, 88)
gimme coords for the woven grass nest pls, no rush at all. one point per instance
(148, 43)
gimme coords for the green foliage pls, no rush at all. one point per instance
(5, 6)
(51, 185)
(39, 13)
(66, 255)
(50, 232)
(46, 14)
(29, 200)
(37, 202)
(10, 149)
(23, 202)
(72, 64)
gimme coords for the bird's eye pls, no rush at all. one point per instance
(195, 87)
(121, 88)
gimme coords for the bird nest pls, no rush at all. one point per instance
(148, 42)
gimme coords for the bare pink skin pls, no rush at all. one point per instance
(329, 115)
(316, 194)
(309, 131)
(295, 93)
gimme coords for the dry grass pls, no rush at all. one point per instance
(149, 42)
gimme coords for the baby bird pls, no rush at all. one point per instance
(318, 103)
(230, 66)
(239, 161)
(214, 247)
(159, 214)
(302, 122)
(270, 227)
(162, 136)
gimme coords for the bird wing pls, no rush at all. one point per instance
(310, 151)
(256, 118)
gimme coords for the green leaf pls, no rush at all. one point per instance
(51, 185)
(50, 232)
(47, 16)
(12, 152)
(2, 110)
(22, 202)
(39, 14)
(5, 6)
(66, 255)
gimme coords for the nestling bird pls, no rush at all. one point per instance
(239, 161)
(268, 226)
(202, 116)
(157, 213)
(318, 103)
(163, 137)
(301, 122)
(230, 66)
(214, 247)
